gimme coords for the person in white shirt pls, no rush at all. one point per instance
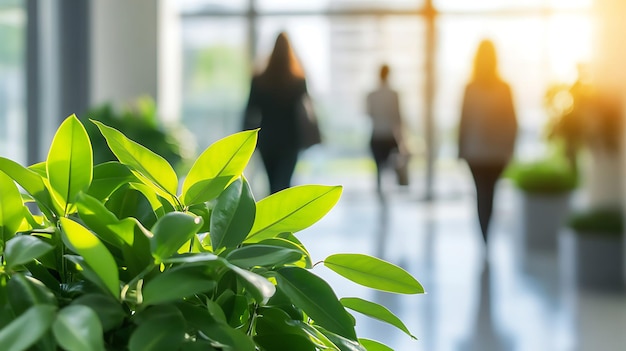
(488, 129)
(383, 108)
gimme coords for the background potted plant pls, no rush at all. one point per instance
(595, 248)
(115, 257)
(545, 186)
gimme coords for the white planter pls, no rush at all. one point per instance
(594, 260)
(543, 218)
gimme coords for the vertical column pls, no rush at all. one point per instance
(429, 95)
(124, 50)
(32, 82)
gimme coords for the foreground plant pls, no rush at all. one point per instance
(113, 257)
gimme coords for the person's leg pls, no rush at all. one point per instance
(378, 154)
(283, 171)
(485, 178)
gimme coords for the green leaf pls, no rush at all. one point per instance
(141, 160)
(107, 177)
(24, 292)
(93, 251)
(108, 310)
(232, 216)
(27, 329)
(170, 232)
(305, 259)
(281, 342)
(70, 161)
(261, 288)
(292, 210)
(341, 342)
(217, 166)
(263, 256)
(99, 219)
(163, 329)
(31, 182)
(374, 273)
(11, 208)
(77, 328)
(127, 202)
(372, 345)
(375, 311)
(232, 339)
(317, 299)
(176, 284)
(23, 249)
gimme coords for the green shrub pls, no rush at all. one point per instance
(115, 257)
(543, 177)
(602, 221)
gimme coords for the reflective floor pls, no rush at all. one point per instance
(472, 302)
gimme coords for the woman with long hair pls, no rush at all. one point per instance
(488, 129)
(276, 99)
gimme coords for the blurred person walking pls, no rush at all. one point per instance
(488, 129)
(383, 107)
(279, 104)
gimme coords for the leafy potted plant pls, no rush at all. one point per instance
(546, 187)
(115, 257)
(596, 248)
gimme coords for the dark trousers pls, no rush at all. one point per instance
(279, 168)
(381, 150)
(485, 178)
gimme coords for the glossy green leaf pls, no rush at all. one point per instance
(77, 328)
(31, 182)
(281, 342)
(261, 288)
(292, 210)
(305, 257)
(372, 345)
(143, 161)
(99, 219)
(176, 284)
(23, 249)
(24, 292)
(70, 161)
(313, 295)
(107, 177)
(108, 310)
(217, 166)
(93, 251)
(263, 256)
(37, 269)
(11, 208)
(233, 216)
(342, 343)
(127, 202)
(162, 329)
(375, 311)
(170, 232)
(232, 339)
(27, 328)
(374, 273)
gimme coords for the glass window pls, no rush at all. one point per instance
(319, 5)
(193, 6)
(12, 79)
(215, 76)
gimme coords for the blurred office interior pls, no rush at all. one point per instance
(195, 59)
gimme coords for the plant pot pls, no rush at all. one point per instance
(594, 259)
(543, 217)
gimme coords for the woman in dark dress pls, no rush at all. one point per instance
(276, 99)
(488, 129)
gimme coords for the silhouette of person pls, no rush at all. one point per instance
(488, 129)
(383, 108)
(275, 100)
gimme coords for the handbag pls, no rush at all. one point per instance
(308, 129)
(402, 168)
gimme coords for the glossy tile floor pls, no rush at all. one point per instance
(470, 305)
